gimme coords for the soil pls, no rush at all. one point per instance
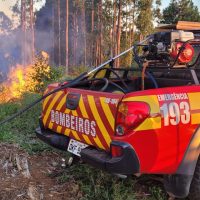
(24, 176)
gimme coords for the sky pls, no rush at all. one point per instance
(5, 5)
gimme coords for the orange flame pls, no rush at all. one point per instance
(15, 85)
(22, 79)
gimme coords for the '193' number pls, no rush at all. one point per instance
(175, 113)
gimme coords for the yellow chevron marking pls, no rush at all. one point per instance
(153, 122)
(194, 105)
(82, 107)
(58, 129)
(194, 100)
(62, 102)
(67, 132)
(98, 119)
(74, 132)
(76, 137)
(54, 100)
(150, 123)
(150, 99)
(195, 118)
(107, 112)
(84, 136)
(85, 115)
(45, 102)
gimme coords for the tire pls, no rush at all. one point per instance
(195, 185)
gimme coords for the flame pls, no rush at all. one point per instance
(15, 85)
(21, 79)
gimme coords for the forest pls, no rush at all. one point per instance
(83, 33)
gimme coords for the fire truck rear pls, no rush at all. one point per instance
(138, 120)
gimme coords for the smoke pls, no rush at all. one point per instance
(15, 48)
(15, 45)
(11, 48)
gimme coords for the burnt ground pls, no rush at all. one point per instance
(41, 176)
(24, 176)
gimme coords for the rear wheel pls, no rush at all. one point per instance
(195, 185)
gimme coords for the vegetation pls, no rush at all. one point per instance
(183, 10)
(21, 129)
(42, 74)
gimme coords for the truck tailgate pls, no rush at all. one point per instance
(86, 116)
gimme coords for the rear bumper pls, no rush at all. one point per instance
(53, 139)
(126, 164)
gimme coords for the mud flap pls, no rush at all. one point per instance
(178, 185)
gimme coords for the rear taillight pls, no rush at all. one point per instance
(130, 115)
(186, 55)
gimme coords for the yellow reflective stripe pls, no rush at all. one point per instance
(194, 100)
(195, 118)
(150, 123)
(82, 108)
(67, 132)
(107, 112)
(152, 100)
(58, 108)
(45, 102)
(194, 105)
(84, 136)
(54, 100)
(74, 133)
(76, 137)
(98, 119)
(85, 115)
(58, 129)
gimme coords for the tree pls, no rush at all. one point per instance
(32, 32)
(144, 21)
(59, 31)
(23, 30)
(188, 11)
(67, 35)
(183, 10)
(119, 31)
(157, 11)
(84, 32)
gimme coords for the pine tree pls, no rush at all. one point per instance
(157, 11)
(32, 31)
(183, 10)
(23, 30)
(67, 37)
(144, 21)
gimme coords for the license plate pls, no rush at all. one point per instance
(75, 147)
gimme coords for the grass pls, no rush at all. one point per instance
(21, 129)
(94, 184)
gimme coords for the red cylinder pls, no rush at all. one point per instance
(186, 55)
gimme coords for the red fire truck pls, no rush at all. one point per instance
(139, 120)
